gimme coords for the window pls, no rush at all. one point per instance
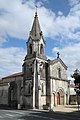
(29, 89)
(41, 49)
(1, 92)
(59, 72)
(42, 88)
(30, 47)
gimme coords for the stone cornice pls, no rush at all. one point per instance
(61, 79)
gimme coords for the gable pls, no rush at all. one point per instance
(58, 69)
(58, 61)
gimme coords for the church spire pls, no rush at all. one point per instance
(36, 43)
(36, 32)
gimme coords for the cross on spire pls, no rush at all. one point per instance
(36, 8)
(58, 54)
(35, 32)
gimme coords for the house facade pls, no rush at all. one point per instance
(42, 81)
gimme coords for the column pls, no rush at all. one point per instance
(65, 99)
(39, 92)
(38, 84)
(51, 96)
(34, 78)
(56, 99)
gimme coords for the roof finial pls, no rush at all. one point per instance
(36, 9)
(58, 54)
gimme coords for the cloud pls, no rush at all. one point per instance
(71, 57)
(60, 13)
(68, 27)
(11, 60)
(16, 20)
(73, 2)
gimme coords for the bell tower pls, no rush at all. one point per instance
(34, 67)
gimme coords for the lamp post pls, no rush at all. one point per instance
(76, 76)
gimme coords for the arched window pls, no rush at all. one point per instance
(30, 48)
(58, 98)
(29, 89)
(42, 88)
(59, 72)
(66, 99)
(41, 49)
(54, 99)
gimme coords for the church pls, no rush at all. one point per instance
(42, 82)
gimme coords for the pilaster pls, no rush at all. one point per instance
(34, 79)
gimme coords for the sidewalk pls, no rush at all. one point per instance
(66, 108)
(62, 108)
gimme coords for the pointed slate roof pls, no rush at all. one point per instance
(36, 32)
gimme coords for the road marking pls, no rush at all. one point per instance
(20, 119)
(14, 112)
(10, 115)
(1, 117)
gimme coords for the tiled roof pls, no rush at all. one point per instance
(0, 78)
(13, 75)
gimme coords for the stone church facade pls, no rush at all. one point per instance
(42, 82)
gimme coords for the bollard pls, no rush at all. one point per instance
(19, 106)
(51, 108)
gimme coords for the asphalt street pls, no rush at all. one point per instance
(37, 115)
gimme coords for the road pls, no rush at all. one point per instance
(37, 115)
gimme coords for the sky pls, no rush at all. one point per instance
(60, 24)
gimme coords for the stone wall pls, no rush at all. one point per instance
(4, 95)
(11, 90)
(54, 71)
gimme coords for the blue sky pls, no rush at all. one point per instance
(60, 24)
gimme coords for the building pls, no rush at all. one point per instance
(74, 97)
(11, 90)
(42, 82)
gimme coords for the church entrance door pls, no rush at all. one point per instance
(60, 97)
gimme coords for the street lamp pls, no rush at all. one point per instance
(76, 76)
